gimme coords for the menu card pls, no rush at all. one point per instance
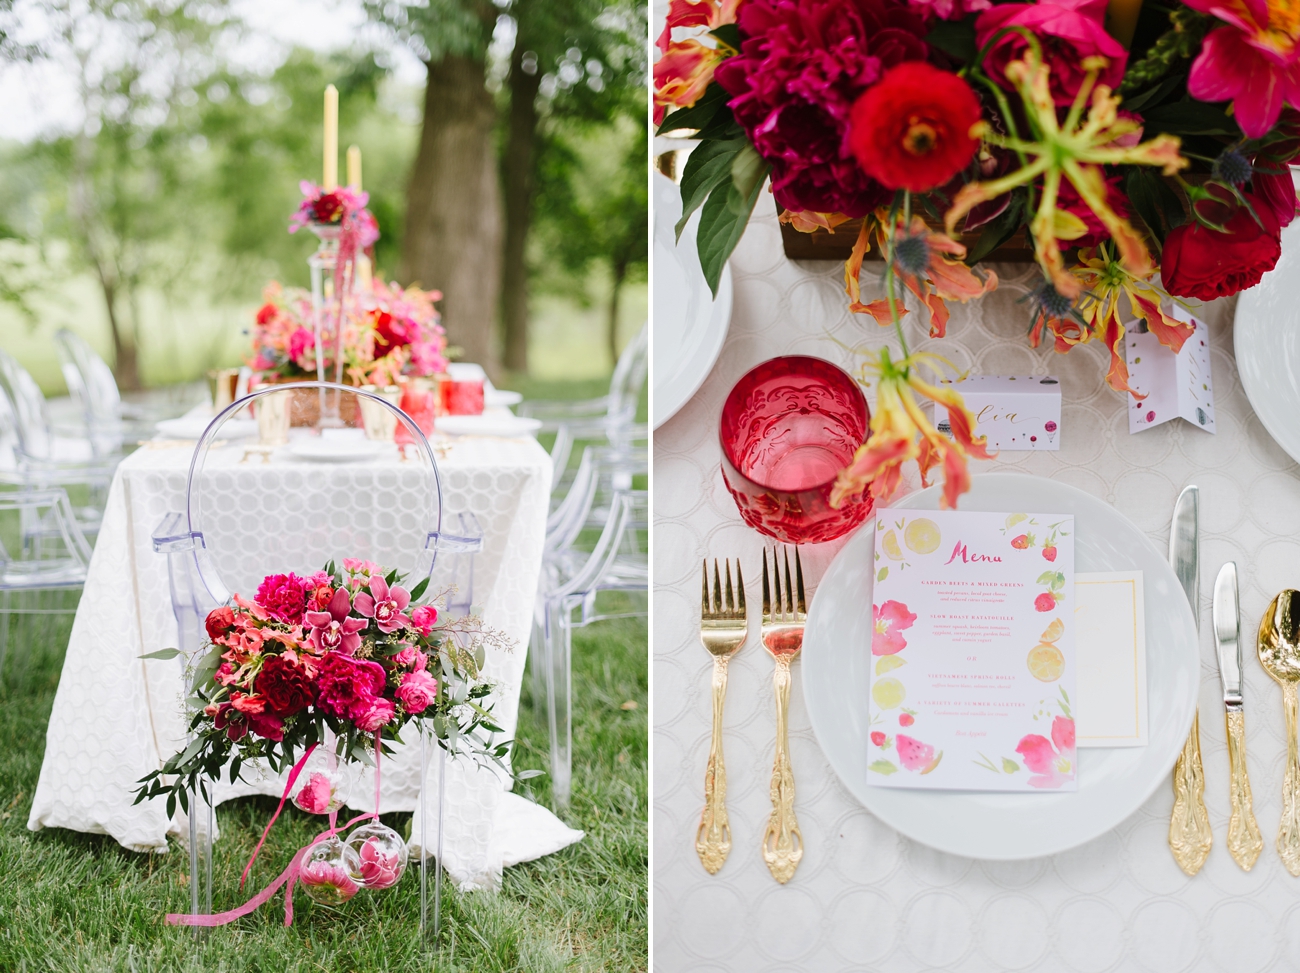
(973, 651)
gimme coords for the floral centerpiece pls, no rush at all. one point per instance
(344, 655)
(388, 331)
(1146, 166)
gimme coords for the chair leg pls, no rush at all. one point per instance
(559, 646)
(4, 629)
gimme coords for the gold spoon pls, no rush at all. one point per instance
(1279, 654)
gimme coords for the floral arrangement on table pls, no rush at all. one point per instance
(388, 331)
(344, 655)
(1146, 163)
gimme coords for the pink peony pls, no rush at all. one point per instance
(314, 798)
(1050, 761)
(321, 872)
(802, 64)
(283, 596)
(889, 620)
(349, 687)
(379, 868)
(1069, 31)
(333, 629)
(424, 618)
(373, 714)
(384, 605)
(417, 691)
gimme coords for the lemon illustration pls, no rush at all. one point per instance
(1054, 631)
(1046, 662)
(887, 662)
(890, 543)
(888, 693)
(922, 536)
(1013, 519)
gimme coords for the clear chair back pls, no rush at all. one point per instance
(27, 407)
(629, 377)
(90, 381)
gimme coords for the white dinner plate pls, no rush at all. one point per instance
(690, 326)
(192, 427)
(336, 449)
(1113, 783)
(487, 425)
(500, 398)
(1267, 343)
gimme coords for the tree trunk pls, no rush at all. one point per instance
(518, 198)
(453, 210)
(126, 366)
(620, 275)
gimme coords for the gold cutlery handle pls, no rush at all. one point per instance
(1190, 836)
(782, 842)
(1244, 841)
(1288, 832)
(713, 839)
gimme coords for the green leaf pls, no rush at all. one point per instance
(390, 578)
(529, 774)
(419, 589)
(1189, 118)
(729, 34)
(162, 654)
(882, 767)
(748, 170)
(721, 226)
(1010, 766)
(1153, 96)
(883, 573)
(954, 37)
(998, 230)
(708, 167)
(698, 115)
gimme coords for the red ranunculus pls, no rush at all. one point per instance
(328, 208)
(219, 622)
(266, 313)
(283, 596)
(802, 64)
(1069, 31)
(1205, 264)
(911, 130)
(392, 332)
(286, 686)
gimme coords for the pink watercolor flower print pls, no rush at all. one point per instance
(1050, 761)
(889, 620)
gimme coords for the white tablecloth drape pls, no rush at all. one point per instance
(117, 717)
(866, 898)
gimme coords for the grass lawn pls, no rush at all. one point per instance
(78, 902)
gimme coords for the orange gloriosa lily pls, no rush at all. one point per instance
(927, 262)
(900, 431)
(1073, 150)
(686, 67)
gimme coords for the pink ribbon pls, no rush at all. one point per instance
(289, 876)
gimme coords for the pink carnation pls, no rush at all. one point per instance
(417, 691)
(283, 596)
(348, 687)
(424, 618)
(315, 796)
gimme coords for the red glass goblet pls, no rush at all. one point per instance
(788, 427)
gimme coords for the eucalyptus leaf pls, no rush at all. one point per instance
(162, 654)
(529, 774)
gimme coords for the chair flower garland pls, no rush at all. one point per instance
(990, 119)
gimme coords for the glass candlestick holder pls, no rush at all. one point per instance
(326, 304)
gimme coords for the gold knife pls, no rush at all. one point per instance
(1244, 840)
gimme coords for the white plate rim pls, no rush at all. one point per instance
(315, 449)
(884, 802)
(506, 426)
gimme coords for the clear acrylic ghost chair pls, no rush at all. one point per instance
(44, 458)
(109, 421)
(601, 471)
(246, 520)
(36, 568)
(570, 598)
(610, 416)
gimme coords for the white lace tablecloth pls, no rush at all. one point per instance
(864, 897)
(117, 717)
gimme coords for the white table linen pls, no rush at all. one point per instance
(864, 897)
(117, 717)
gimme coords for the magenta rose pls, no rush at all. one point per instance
(283, 596)
(348, 687)
(801, 66)
(417, 691)
(1068, 30)
(373, 714)
(410, 658)
(424, 618)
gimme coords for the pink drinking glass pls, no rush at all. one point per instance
(788, 427)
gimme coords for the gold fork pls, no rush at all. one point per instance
(783, 620)
(723, 628)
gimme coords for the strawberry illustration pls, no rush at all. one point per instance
(1050, 552)
(878, 738)
(906, 719)
(1021, 542)
(1045, 602)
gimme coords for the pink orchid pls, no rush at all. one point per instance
(417, 691)
(322, 872)
(1254, 62)
(379, 868)
(889, 620)
(424, 618)
(333, 629)
(315, 796)
(384, 605)
(1051, 765)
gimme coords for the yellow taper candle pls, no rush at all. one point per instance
(1122, 20)
(354, 168)
(330, 181)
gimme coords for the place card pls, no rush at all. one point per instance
(973, 665)
(1174, 386)
(1110, 635)
(1015, 412)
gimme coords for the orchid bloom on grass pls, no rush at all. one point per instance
(684, 71)
(900, 431)
(927, 262)
(1073, 150)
